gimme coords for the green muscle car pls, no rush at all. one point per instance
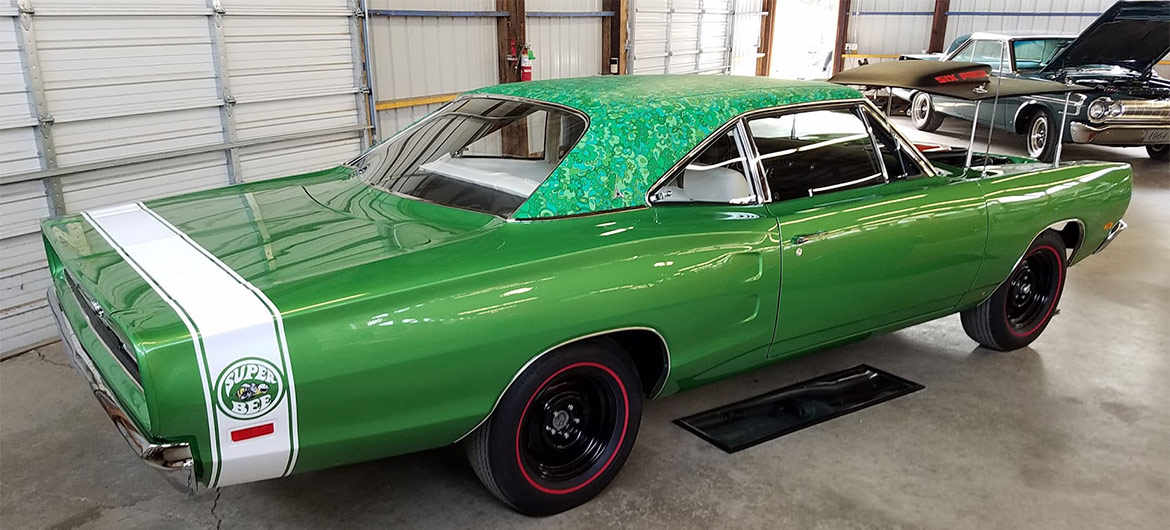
(522, 269)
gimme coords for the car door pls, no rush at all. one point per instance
(716, 252)
(869, 235)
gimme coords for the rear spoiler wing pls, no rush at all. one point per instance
(967, 81)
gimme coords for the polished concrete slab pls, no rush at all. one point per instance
(1073, 432)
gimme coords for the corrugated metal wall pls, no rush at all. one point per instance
(419, 56)
(148, 98)
(1047, 16)
(426, 56)
(894, 27)
(565, 46)
(888, 27)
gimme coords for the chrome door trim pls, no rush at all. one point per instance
(924, 164)
(731, 123)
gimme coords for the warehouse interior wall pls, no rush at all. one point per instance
(109, 103)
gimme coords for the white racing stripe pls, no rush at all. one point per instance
(232, 325)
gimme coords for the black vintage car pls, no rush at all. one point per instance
(1128, 106)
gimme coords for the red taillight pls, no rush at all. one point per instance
(253, 432)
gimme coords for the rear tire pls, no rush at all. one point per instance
(1021, 308)
(922, 113)
(1041, 136)
(1158, 151)
(562, 431)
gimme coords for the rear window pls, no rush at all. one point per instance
(482, 154)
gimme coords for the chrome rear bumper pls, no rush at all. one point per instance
(1116, 229)
(172, 459)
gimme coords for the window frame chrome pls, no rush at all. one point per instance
(854, 104)
(928, 169)
(735, 127)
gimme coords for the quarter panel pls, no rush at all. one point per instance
(1023, 204)
(420, 362)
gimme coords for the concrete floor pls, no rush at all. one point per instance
(1073, 432)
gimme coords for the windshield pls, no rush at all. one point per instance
(482, 154)
(1034, 54)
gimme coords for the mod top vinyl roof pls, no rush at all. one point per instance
(639, 126)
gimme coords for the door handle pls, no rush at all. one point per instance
(805, 238)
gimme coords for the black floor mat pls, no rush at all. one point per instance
(768, 416)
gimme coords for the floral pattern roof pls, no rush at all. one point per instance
(640, 126)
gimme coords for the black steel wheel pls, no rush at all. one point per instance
(1042, 136)
(569, 423)
(562, 430)
(923, 114)
(1158, 151)
(1021, 308)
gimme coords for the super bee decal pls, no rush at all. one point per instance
(249, 388)
(237, 341)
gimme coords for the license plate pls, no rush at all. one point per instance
(1161, 136)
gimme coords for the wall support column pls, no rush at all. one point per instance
(938, 26)
(842, 35)
(767, 28)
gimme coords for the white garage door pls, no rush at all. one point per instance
(694, 36)
(105, 103)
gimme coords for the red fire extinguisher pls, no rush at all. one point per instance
(526, 58)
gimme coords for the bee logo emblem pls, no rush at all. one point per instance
(249, 388)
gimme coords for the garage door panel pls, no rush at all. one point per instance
(258, 120)
(297, 156)
(145, 181)
(679, 37)
(287, 54)
(24, 277)
(101, 140)
(18, 151)
(23, 205)
(94, 64)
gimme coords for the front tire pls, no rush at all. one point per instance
(1021, 308)
(922, 113)
(1042, 136)
(1158, 151)
(562, 431)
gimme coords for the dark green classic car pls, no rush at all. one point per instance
(525, 267)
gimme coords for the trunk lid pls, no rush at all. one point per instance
(280, 236)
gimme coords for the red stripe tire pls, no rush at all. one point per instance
(1020, 309)
(562, 430)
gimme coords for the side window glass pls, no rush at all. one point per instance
(815, 152)
(989, 52)
(966, 53)
(899, 163)
(715, 175)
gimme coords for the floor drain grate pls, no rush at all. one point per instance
(769, 416)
